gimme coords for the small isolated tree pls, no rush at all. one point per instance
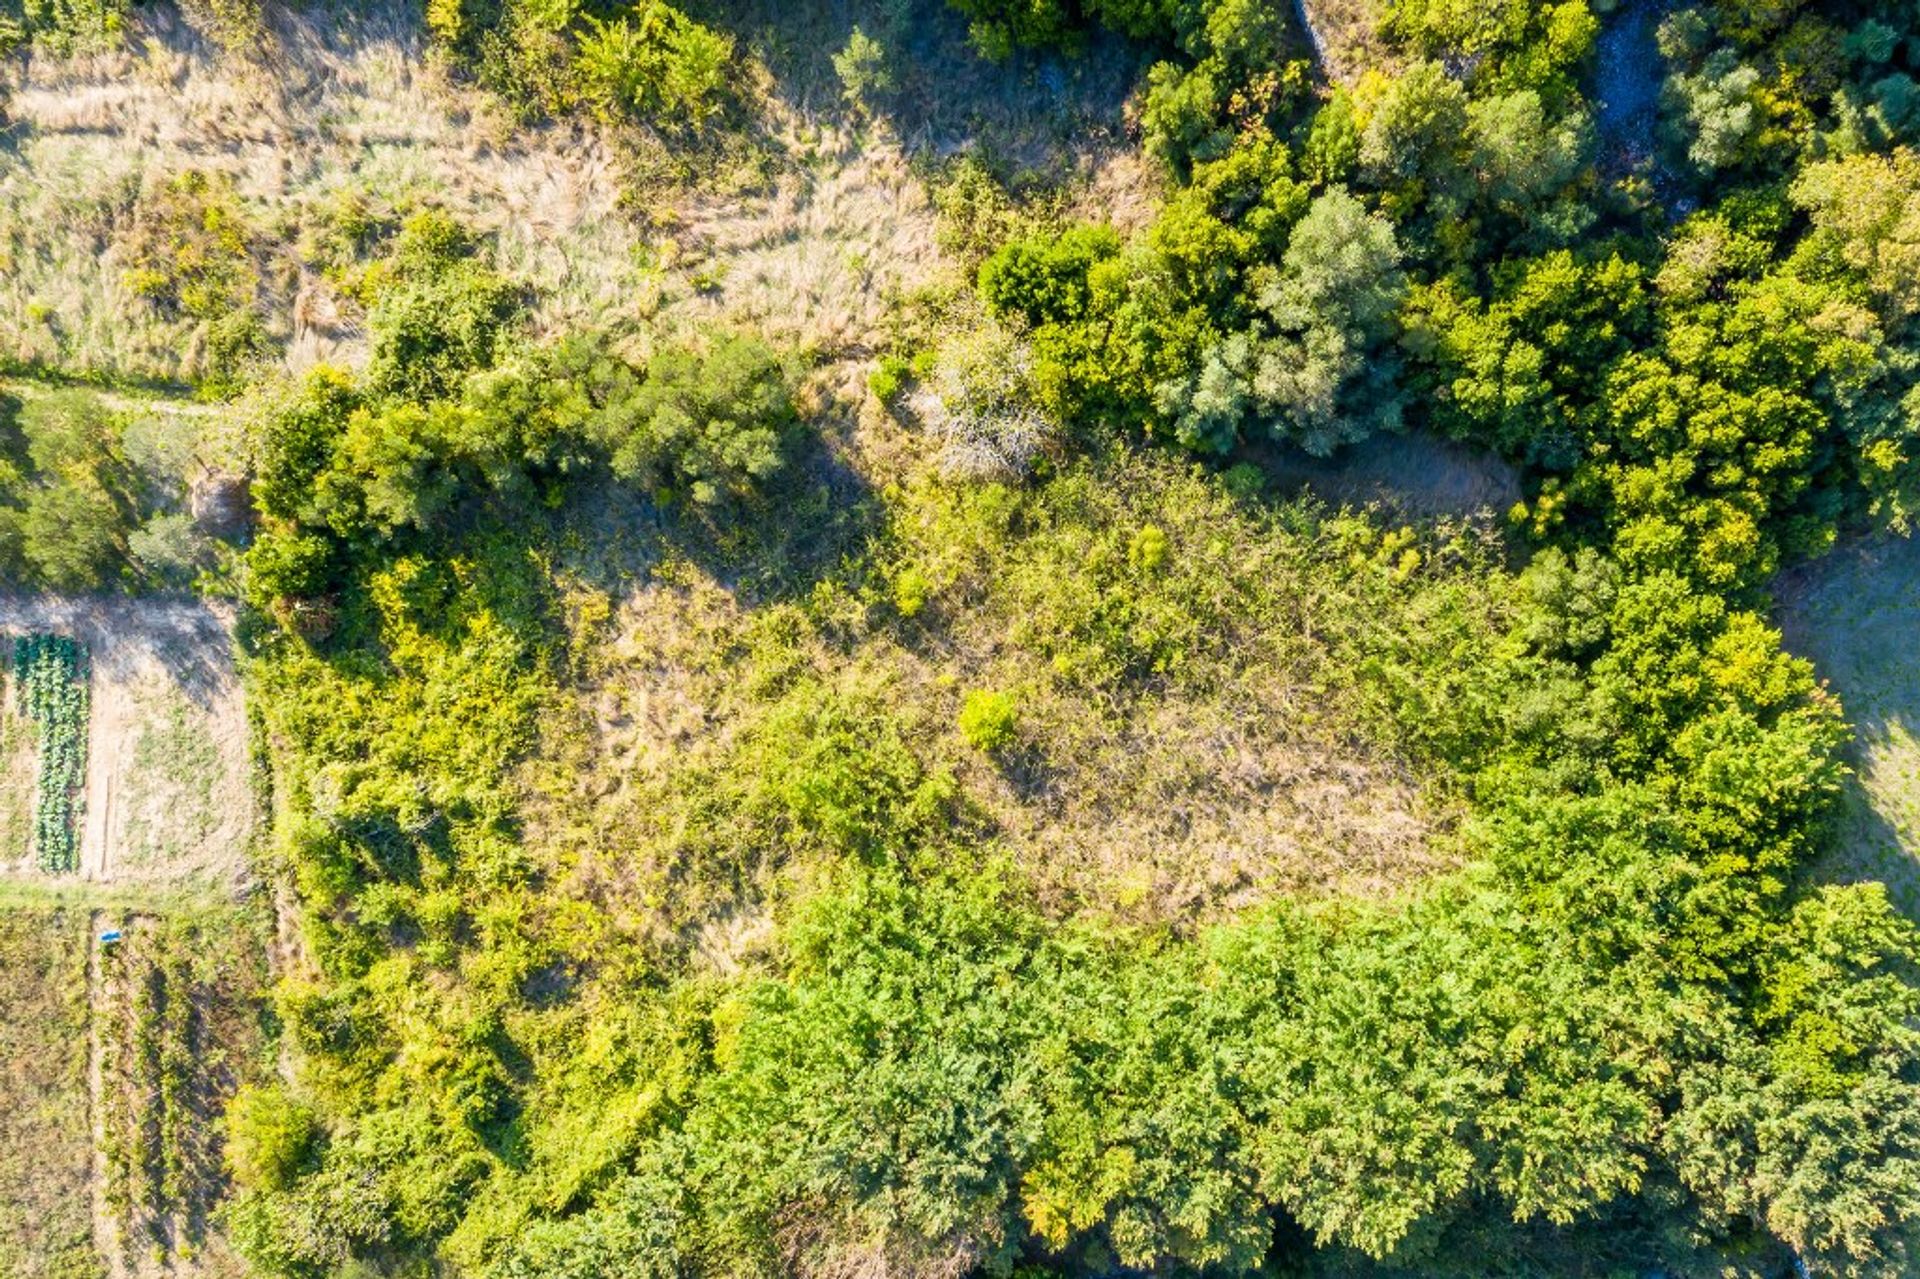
(70, 534)
(979, 406)
(170, 547)
(1417, 131)
(429, 330)
(235, 24)
(1523, 156)
(865, 71)
(1180, 119)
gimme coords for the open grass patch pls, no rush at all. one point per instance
(1857, 616)
(1161, 697)
(46, 1147)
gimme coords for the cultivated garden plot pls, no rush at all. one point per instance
(154, 738)
(122, 1035)
(177, 1030)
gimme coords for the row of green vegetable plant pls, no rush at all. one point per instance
(50, 683)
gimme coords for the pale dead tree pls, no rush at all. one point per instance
(978, 407)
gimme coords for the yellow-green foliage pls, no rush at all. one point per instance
(189, 247)
(64, 26)
(646, 62)
(989, 720)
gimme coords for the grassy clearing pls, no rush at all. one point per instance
(1857, 615)
(1184, 734)
(46, 1227)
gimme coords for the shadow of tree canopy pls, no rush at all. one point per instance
(807, 526)
(1037, 109)
(1856, 615)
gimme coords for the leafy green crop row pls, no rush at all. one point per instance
(50, 680)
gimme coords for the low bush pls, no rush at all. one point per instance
(989, 721)
(655, 63)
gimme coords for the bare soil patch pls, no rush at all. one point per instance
(1856, 614)
(167, 795)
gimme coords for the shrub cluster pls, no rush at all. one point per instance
(646, 61)
(458, 410)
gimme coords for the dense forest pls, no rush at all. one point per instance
(901, 948)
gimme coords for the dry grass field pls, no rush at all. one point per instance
(811, 243)
(346, 106)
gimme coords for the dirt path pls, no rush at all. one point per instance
(106, 1227)
(104, 728)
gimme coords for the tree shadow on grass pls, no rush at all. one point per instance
(1415, 475)
(812, 524)
(1038, 109)
(1856, 615)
